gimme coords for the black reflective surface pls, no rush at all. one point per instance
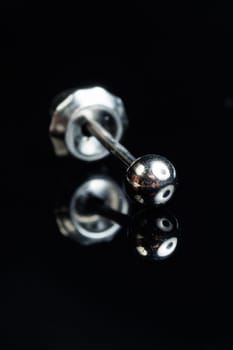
(58, 294)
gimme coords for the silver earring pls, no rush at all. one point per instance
(88, 123)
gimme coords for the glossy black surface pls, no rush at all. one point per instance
(56, 294)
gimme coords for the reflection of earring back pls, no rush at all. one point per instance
(84, 221)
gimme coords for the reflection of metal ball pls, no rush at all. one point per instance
(151, 179)
(154, 234)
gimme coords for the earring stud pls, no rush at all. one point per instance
(90, 122)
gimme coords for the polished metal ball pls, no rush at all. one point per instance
(151, 179)
(154, 234)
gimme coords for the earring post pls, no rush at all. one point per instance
(106, 139)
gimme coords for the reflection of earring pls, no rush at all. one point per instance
(98, 209)
(90, 122)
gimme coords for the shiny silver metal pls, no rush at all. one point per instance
(93, 121)
(82, 222)
(67, 130)
(151, 179)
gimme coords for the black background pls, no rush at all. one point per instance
(172, 67)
